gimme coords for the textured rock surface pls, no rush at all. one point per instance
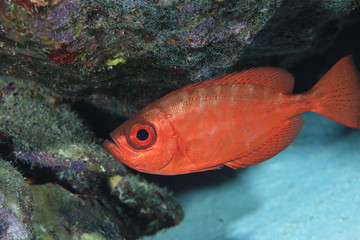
(77, 45)
(15, 204)
(45, 131)
(115, 57)
(147, 200)
(59, 214)
(50, 144)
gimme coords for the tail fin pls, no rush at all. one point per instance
(341, 85)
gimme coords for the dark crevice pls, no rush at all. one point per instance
(99, 121)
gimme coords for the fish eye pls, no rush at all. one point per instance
(142, 135)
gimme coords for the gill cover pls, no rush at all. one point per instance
(145, 142)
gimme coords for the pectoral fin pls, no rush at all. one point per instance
(278, 142)
(196, 149)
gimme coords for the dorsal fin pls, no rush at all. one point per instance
(270, 77)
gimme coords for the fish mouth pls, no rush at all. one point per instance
(120, 149)
(113, 148)
(114, 139)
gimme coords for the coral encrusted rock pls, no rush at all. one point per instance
(69, 196)
(74, 45)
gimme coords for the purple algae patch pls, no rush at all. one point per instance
(50, 160)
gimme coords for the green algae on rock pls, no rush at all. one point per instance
(73, 45)
(97, 42)
(59, 214)
(15, 204)
(148, 199)
(40, 133)
(48, 133)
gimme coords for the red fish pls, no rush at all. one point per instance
(236, 120)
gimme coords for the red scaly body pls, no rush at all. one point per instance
(236, 120)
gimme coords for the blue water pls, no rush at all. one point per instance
(309, 191)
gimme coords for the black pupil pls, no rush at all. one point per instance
(142, 135)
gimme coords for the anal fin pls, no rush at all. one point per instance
(285, 135)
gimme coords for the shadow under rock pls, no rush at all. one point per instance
(100, 121)
(189, 182)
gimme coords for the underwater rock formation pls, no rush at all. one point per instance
(45, 131)
(60, 214)
(15, 204)
(72, 190)
(147, 200)
(75, 45)
(119, 56)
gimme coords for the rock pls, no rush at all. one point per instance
(15, 204)
(74, 45)
(150, 201)
(46, 132)
(68, 170)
